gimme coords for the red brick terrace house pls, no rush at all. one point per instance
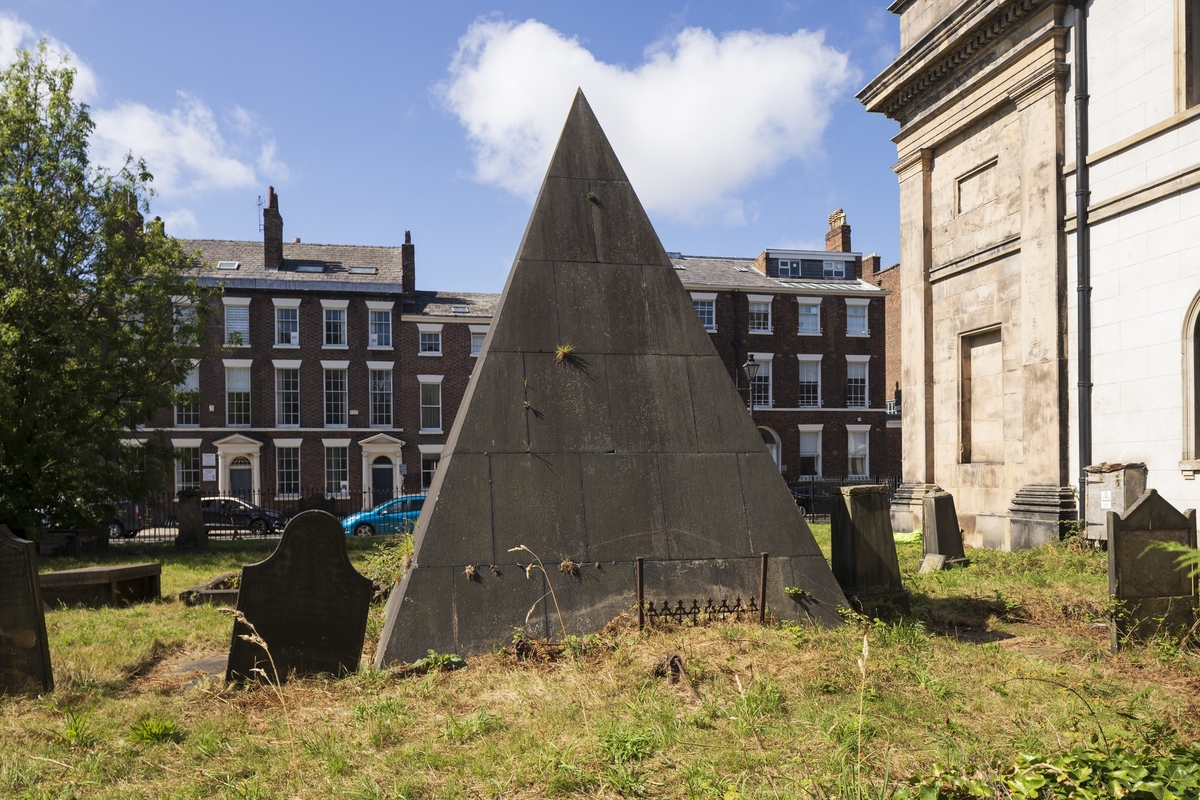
(303, 389)
(817, 332)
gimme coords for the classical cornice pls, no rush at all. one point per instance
(892, 92)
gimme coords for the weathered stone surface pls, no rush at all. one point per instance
(933, 562)
(864, 550)
(637, 447)
(192, 533)
(1155, 595)
(942, 535)
(103, 586)
(306, 602)
(24, 650)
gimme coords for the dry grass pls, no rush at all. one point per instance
(999, 658)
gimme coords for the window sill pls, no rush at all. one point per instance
(282, 426)
(231, 425)
(287, 347)
(287, 497)
(430, 430)
(335, 347)
(379, 347)
(858, 336)
(761, 333)
(430, 355)
(240, 346)
(187, 425)
(381, 426)
(342, 426)
(810, 333)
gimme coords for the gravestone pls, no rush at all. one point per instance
(306, 602)
(864, 551)
(631, 442)
(941, 535)
(1111, 487)
(1154, 595)
(24, 650)
(193, 535)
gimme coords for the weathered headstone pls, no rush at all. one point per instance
(193, 535)
(24, 650)
(599, 426)
(864, 551)
(941, 535)
(1154, 595)
(1111, 487)
(305, 601)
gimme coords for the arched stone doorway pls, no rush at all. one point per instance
(383, 485)
(771, 440)
(241, 479)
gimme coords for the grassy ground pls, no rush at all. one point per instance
(1001, 657)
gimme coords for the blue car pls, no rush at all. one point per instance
(394, 516)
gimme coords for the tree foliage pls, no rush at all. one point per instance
(91, 345)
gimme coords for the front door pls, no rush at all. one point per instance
(382, 477)
(240, 483)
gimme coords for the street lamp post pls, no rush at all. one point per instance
(751, 369)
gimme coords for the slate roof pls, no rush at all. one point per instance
(335, 260)
(442, 304)
(723, 273)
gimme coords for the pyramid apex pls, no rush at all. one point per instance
(583, 150)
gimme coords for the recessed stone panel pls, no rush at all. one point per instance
(500, 424)
(538, 502)
(561, 226)
(623, 506)
(651, 404)
(623, 232)
(615, 287)
(464, 526)
(704, 508)
(531, 285)
(568, 408)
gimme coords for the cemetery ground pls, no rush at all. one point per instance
(1004, 657)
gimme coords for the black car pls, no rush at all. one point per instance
(235, 514)
(127, 520)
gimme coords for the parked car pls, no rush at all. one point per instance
(127, 520)
(233, 513)
(394, 516)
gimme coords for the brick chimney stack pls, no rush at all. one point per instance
(837, 238)
(870, 266)
(272, 232)
(408, 266)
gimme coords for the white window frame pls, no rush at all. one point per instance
(764, 360)
(426, 451)
(328, 306)
(242, 304)
(289, 304)
(383, 307)
(344, 368)
(342, 491)
(372, 368)
(280, 365)
(480, 331)
(290, 445)
(810, 358)
(187, 386)
(817, 429)
(865, 361)
(428, 329)
(239, 364)
(792, 264)
(711, 299)
(424, 380)
(833, 269)
(192, 446)
(768, 299)
(863, 303)
(809, 301)
(865, 431)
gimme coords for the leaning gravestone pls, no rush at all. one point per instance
(24, 650)
(1154, 595)
(570, 442)
(306, 602)
(864, 551)
(193, 535)
(942, 536)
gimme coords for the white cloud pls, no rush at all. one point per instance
(15, 33)
(695, 123)
(181, 222)
(185, 148)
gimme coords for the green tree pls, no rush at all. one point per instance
(91, 344)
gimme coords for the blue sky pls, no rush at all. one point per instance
(736, 122)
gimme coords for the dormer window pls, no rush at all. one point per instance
(789, 268)
(833, 269)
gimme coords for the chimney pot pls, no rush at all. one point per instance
(837, 238)
(272, 232)
(296, 240)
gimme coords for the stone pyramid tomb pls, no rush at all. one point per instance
(599, 426)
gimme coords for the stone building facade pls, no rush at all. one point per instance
(990, 278)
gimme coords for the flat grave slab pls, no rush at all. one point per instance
(103, 586)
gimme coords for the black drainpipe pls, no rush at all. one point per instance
(1083, 252)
